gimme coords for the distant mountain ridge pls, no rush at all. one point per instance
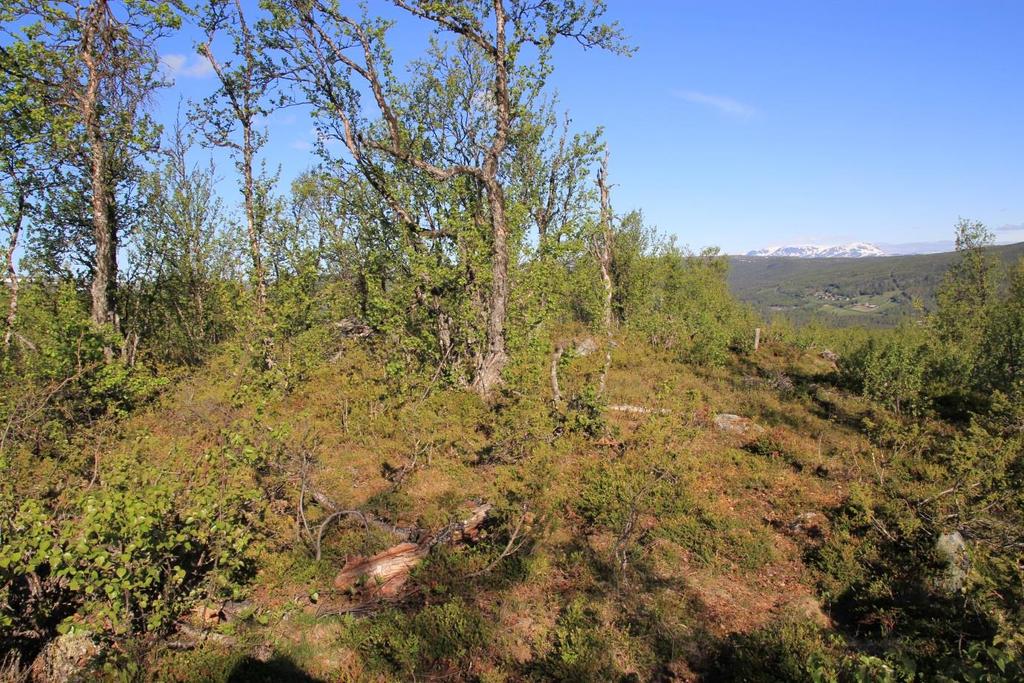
(876, 292)
(851, 250)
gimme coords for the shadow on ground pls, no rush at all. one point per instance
(277, 670)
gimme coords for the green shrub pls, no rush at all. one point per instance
(890, 371)
(125, 557)
(388, 642)
(771, 445)
(1001, 353)
(681, 302)
(612, 491)
(779, 652)
(586, 413)
(450, 630)
(68, 381)
(712, 540)
(579, 649)
(407, 643)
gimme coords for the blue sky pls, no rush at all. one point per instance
(752, 124)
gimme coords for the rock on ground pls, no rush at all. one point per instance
(586, 346)
(734, 424)
(952, 548)
(65, 659)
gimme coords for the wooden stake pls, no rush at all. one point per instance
(757, 338)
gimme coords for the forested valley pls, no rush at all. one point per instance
(436, 409)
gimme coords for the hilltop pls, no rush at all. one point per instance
(718, 518)
(685, 507)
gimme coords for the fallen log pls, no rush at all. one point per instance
(384, 574)
(187, 638)
(556, 391)
(468, 528)
(638, 410)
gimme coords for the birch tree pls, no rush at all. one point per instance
(602, 245)
(94, 65)
(20, 181)
(230, 119)
(338, 56)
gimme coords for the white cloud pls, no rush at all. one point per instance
(173, 62)
(724, 105)
(1019, 227)
(181, 65)
(301, 145)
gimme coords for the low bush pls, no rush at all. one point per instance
(579, 649)
(779, 652)
(404, 644)
(126, 556)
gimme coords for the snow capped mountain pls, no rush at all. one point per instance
(852, 250)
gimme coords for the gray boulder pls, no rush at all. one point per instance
(952, 549)
(586, 346)
(734, 424)
(65, 659)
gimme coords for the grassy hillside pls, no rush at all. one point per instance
(434, 411)
(720, 523)
(869, 291)
(758, 520)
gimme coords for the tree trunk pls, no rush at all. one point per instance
(604, 258)
(104, 275)
(243, 89)
(488, 375)
(556, 391)
(249, 193)
(104, 281)
(12, 273)
(255, 251)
